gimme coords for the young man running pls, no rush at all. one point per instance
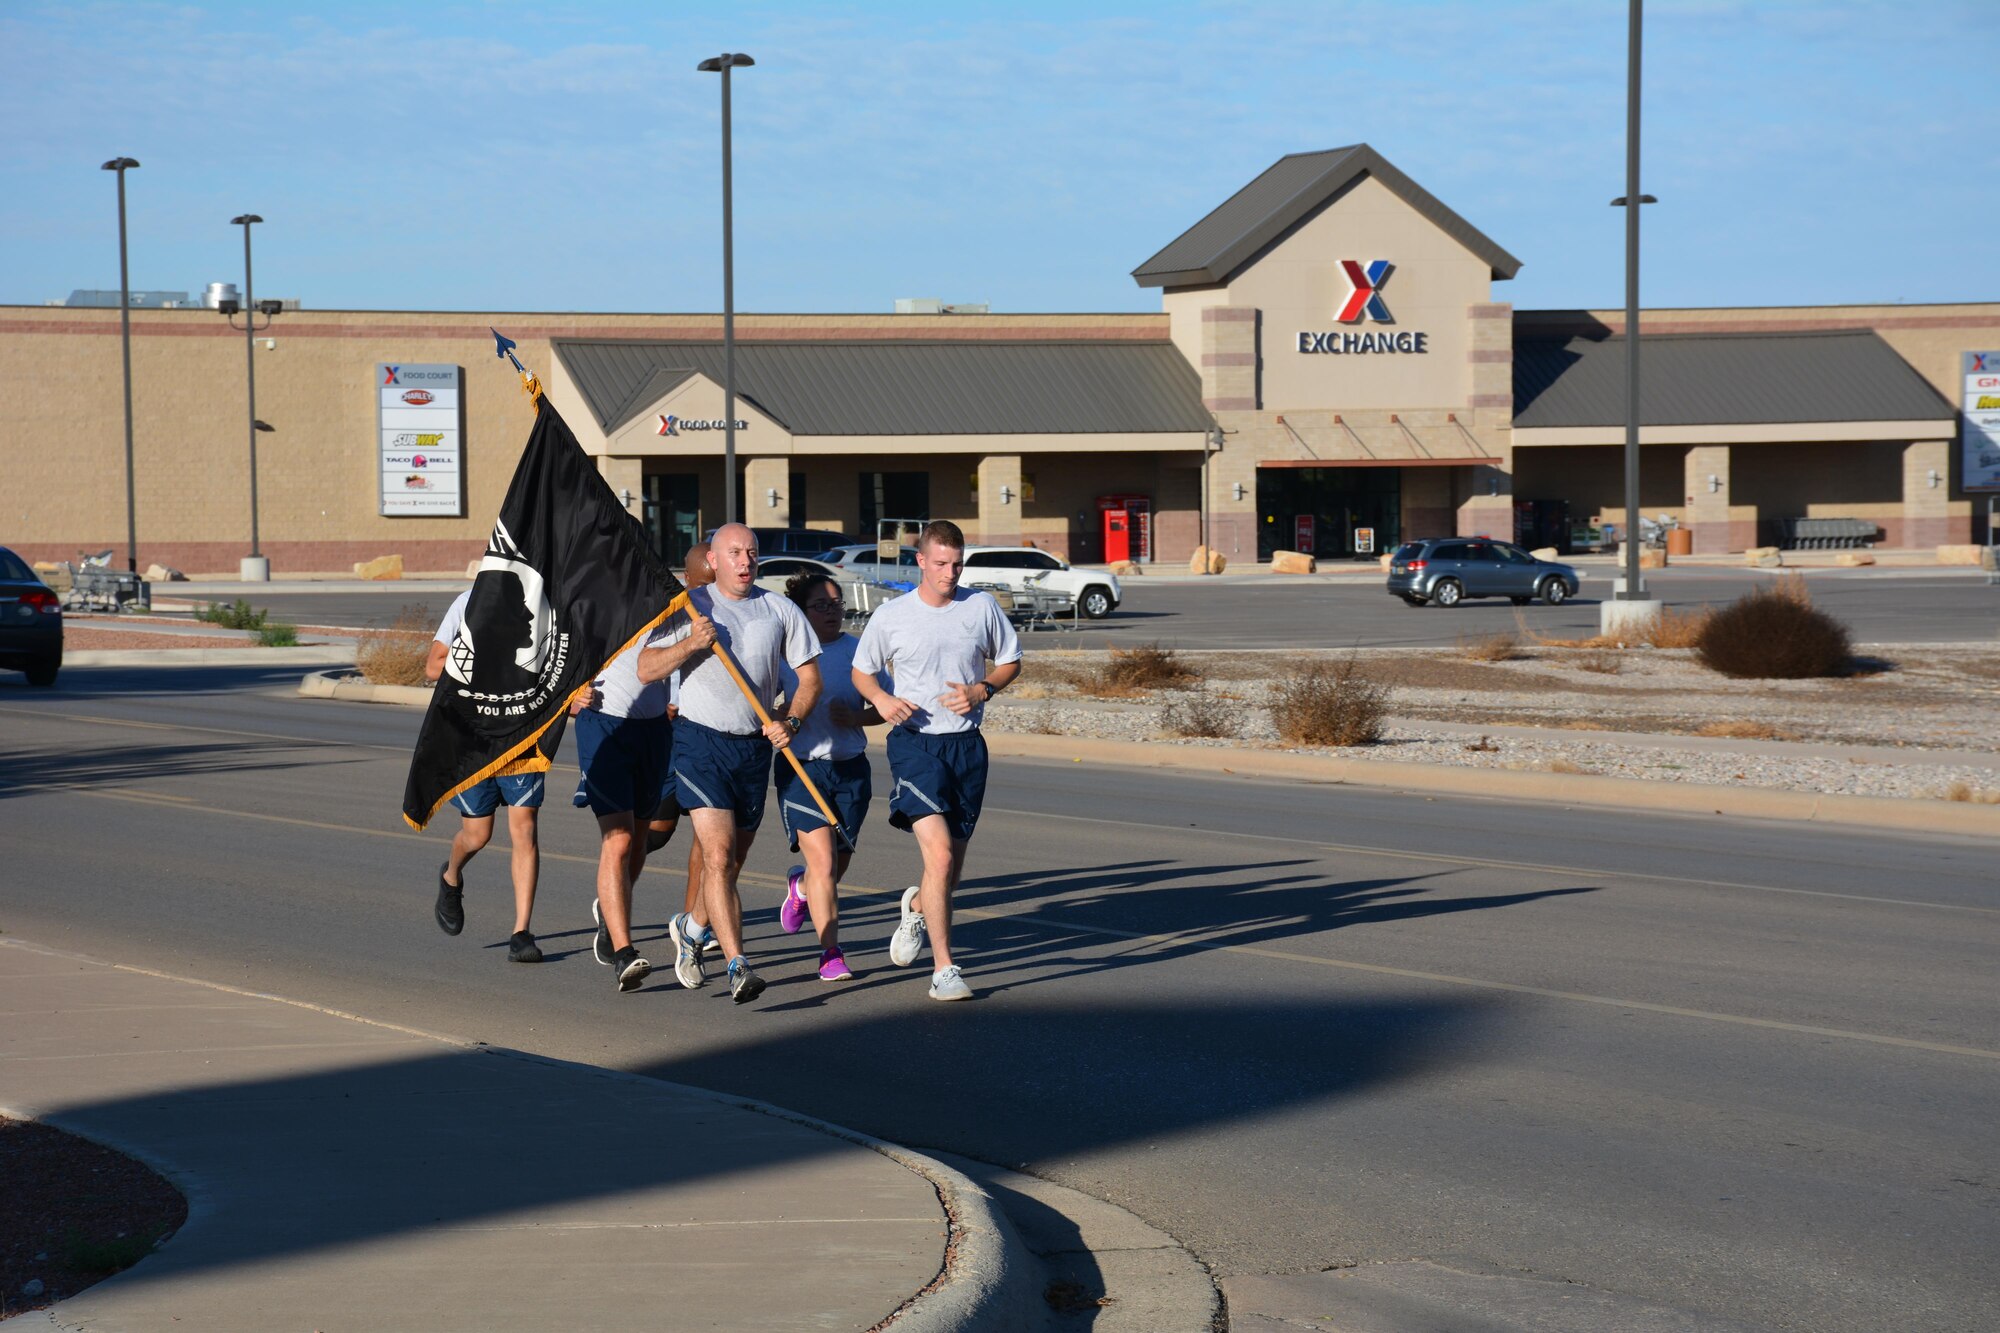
(624, 743)
(520, 790)
(722, 759)
(832, 746)
(937, 643)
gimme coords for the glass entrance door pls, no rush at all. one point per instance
(673, 514)
(1319, 510)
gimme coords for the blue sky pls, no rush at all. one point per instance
(564, 156)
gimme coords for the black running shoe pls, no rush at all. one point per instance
(450, 904)
(632, 969)
(523, 949)
(600, 945)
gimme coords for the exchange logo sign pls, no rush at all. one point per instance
(673, 425)
(1364, 303)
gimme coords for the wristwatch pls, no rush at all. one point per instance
(793, 724)
(991, 690)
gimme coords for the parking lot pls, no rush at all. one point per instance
(1261, 611)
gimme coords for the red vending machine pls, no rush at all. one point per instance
(1133, 539)
(1117, 535)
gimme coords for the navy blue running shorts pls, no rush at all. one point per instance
(847, 784)
(627, 763)
(716, 770)
(937, 775)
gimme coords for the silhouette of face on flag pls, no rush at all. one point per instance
(502, 648)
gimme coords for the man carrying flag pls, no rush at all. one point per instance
(569, 580)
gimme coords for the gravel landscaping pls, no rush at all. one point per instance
(1912, 721)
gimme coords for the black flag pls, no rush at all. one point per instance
(568, 581)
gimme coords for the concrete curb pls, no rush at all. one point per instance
(334, 685)
(1909, 815)
(989, 1280)
(141, 657)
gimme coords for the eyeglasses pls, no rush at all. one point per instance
(825, 604)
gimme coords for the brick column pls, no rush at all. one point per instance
(999, 520)
(760, 477)
(1488, 421)
(1709, 511)
(1927, 517)
(1229, 358)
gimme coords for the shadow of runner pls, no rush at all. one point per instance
(300, 1163)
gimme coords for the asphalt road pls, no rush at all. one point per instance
(1742, 1071)
(1265, 611)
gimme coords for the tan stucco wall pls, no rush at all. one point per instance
(62, 424)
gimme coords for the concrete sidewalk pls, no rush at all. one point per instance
(347, 1175)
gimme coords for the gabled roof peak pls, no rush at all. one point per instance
(1287, 191)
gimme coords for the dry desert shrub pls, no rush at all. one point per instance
(1964, 791)
(1324, 703)
(1134, 671)
(396, 655)
(1602, 661)
(1678, 629)
(1493, 648)
(1200, 713)
(1745, 731)
(1771, 634)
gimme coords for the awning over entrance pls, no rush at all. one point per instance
(1476, 461)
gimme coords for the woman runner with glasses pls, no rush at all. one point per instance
(832, 746)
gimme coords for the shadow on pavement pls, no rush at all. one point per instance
(440, 1141)
(23, 771)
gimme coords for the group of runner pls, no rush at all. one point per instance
(673, 727)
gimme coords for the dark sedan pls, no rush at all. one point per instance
(31, 623)
(1444, 571)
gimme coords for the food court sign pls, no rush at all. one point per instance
(1363, 303)
(420, 423)
(1981, 457)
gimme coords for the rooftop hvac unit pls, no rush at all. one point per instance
(919, 305)
(968, 308)
(216, 293)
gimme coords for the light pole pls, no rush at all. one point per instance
(254, 568)
(121, 165)
(722, 64)
(1211, 445)
(1630, 201)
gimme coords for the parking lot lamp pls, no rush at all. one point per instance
(1631, 201)
(254, 568)
(121, 165)
(722, 64)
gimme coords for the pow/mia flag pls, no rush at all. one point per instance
(568, 581)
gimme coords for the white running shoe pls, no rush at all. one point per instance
(908, 941)
(687, 954)
(949, 984)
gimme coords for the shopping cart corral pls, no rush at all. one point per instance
(95, 586)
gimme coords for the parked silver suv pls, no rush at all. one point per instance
(1443, 571)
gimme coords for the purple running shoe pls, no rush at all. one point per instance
(792, 912)
(832, 966)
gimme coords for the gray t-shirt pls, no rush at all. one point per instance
(821, 737)
(762, 632)
(926, 647)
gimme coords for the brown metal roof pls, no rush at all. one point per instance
(1288, 192)
(910, 388)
